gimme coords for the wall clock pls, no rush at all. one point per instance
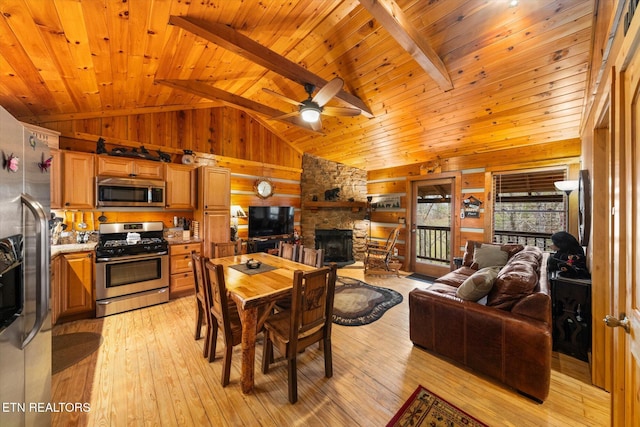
(584, 207)
(264, 188)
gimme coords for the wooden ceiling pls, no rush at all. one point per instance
(518, 73)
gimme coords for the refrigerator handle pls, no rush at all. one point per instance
(42, 260)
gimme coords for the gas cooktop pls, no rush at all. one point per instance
(126, 239)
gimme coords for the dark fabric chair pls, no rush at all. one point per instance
(308, 322)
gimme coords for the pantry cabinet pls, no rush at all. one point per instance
(214, 206)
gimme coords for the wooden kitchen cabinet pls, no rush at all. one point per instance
(181, 281)
(216, 228)
(214, 206)
(72, 282)
(215, 185)
(78, 183)
(181, 186)
(129, 168)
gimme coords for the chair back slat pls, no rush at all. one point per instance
(218, 302)
(310, 256)
(223, 249)
(312, 293)
(196, 266)
(287, 251)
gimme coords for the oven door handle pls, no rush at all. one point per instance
(130, 257)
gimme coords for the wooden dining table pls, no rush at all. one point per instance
(255, 293)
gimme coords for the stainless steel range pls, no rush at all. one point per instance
(132, 267)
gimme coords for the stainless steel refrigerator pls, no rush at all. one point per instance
(25, 328)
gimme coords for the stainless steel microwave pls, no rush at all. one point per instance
(129, 192)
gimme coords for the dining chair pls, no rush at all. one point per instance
(201, 311)
(223, 249)
(310, 256)
(224, 317)
(287, 250)
(308, 321)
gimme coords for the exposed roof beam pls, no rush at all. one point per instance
(242, 45)
(209, 92)
(391, 17)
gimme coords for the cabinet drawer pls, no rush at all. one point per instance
(185, 248)
(181, 283)
(181, 264)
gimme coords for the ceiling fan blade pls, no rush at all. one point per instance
(328, 91)
(285, 116)
(340, 111)
(317, 125)
(282, 97)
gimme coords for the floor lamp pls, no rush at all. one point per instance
(567, 187)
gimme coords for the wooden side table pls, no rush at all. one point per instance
(571, 299)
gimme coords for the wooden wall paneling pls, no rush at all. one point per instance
(466, 235)
(386, 216)
(387, 187)
(473, 180)
(183, 129)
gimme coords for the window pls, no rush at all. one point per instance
(527, 208)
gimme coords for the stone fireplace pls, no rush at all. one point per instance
(318, 176)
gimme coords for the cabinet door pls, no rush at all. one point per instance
(115, 166)
(56, 179)
(118, 166)
(217, 228)
(78, 173)
(148, 169)
(181, 188)
(76, 290)
(216, 189)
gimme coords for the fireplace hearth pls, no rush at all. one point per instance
(337, 245)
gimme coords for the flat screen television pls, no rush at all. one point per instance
(270, 220)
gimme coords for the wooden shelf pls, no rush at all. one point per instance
(354, 206)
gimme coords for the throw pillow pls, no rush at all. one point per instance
(478, 285)
(489, 256)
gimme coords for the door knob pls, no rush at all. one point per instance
(623, 322)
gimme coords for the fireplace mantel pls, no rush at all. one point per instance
(354, 206)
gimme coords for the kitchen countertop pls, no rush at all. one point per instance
(180, 241)
(73, 247)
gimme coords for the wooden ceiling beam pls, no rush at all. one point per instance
(209, 92)
(230, 39)
(389, 14)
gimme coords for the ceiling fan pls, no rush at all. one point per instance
(311, 108)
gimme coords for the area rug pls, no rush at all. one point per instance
(357, 303)
(425, 408)
(69, 349)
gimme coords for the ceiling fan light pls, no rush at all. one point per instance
(310, 114)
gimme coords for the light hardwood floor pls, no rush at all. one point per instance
(149, 370)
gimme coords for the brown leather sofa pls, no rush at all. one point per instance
(508, 339)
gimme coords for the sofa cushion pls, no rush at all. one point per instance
(514, 281)
(489, 256)
(478, 284)
(455, 277)
(467, 259)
